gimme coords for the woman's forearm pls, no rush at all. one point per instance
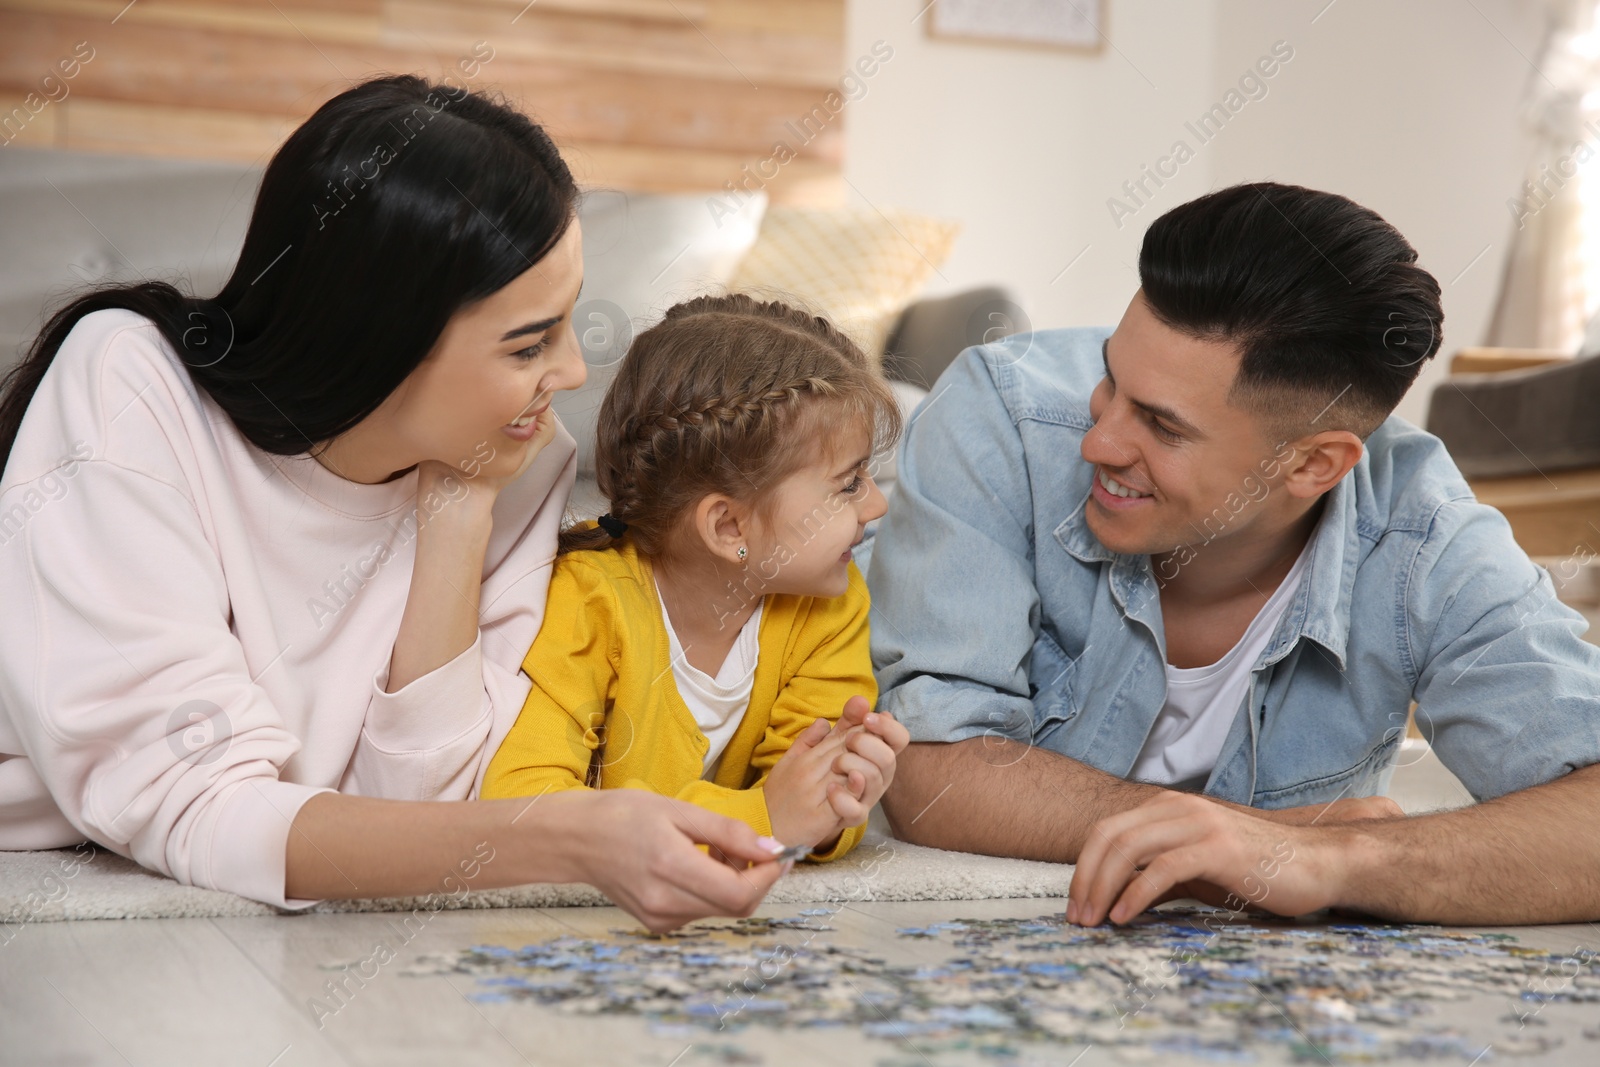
(641, 850)
(440, 620)
(343, 847)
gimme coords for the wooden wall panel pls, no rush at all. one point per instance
(648, 94)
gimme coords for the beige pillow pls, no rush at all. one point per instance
(858, 266)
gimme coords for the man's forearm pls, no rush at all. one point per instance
(1528, 857)
(1002, 798)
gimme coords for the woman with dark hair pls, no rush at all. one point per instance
(271, 560)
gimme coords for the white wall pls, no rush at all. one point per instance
(1410, 108)
(1024, 145)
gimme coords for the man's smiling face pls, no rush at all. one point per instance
(1169, 446)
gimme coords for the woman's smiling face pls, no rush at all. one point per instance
(496, 363)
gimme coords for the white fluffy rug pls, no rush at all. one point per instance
(33, 887)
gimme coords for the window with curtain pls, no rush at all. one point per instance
(1550, 291)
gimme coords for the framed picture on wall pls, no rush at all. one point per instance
(1076, 24)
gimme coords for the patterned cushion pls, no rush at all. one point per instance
(858, 266)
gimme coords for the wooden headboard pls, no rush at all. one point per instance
(658, 95)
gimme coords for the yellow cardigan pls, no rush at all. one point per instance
(604, 710)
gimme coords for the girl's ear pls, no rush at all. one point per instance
(723, 525)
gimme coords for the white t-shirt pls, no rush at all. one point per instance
(718, 703)
(1186, 739)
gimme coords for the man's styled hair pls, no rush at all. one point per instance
(1324, 299)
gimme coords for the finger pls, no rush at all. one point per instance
(1163, 873)
(1091, 856)
(1373, 808)
(834, 742)
(812, 735)
(1099, 861)
(1127, 853)
(711, 887)
(844, 729)
(849, 765)
(817, 761)
(708, 887)
(872, 749)
(849, 810)
(893, 732)
(856, 710)
(734, 839)
(1204, 892)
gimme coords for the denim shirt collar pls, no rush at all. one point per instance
(1321, 606)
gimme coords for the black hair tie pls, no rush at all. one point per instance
(612, 525)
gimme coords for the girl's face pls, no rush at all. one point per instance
(818, 514)
(480, 395)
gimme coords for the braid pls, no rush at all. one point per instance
(725, 411)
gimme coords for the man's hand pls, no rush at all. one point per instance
(1179, 844)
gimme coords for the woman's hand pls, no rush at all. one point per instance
(454, 514)
(639, 849)
(497, 463)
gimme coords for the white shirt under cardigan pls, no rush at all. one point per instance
(1186, 739)
(196, 634)
(718, 704)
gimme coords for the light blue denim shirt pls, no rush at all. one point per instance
(996, 610)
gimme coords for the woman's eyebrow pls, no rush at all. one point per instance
(531, 327)
(541, 325)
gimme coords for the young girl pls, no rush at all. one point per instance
(707, 638)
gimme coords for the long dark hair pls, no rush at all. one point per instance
(397, 203)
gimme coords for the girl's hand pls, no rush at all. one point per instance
(867, 764)
(798, 790)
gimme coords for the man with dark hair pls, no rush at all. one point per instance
(1157, 601)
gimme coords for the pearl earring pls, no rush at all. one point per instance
(743, 552)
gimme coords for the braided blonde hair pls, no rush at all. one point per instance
(727, 394)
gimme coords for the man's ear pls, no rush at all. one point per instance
(722, 524)
(1320, 461)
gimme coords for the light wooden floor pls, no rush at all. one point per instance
(236, 992)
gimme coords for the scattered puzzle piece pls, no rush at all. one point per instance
(1201, 983)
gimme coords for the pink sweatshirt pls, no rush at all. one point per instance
(196, 634)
